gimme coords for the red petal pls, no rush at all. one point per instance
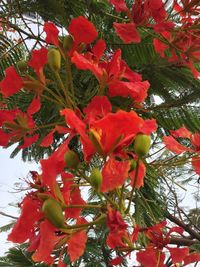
(157, 9)
(181, 132)
(52, 33)
(116, 261)
(28, 141)
(173, 145)
(76, 245)
(136, 90)
(114, 66)
(178, 254)
(129, 74)
(75, 199)
(34, 106)
(84, 64)
(24, 226)
(48, 239)
(119, 5)
(48, 140)
(196, 164)
(38, 59)
(140, 177)
(114, 239)
(99, 49)
(196, 141)
(79, 126)
(121, 123)
(4, 138)
(114, 174)
(148, 126)
(194, 257)
(12, 82)
(61, 263)
(82, 30)
(149, 258)
(98, 108)
(160, 47)
(127, 32)
(54, 165)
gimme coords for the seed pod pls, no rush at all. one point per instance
(142, 144)
(53, 212)
(96, 179)
(54, 59)
(68, 42)
(22, 65)
(71, 159)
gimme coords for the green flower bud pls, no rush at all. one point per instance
(68, 42)
(71, 159)
(142, 144)
(53, 212)
(54, 59)
(133, 165)
(96, 179)
(22, 65)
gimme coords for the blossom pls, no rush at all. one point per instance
(30, 214)
(82, 30)
(17, 126)
(51, 33)
(12, 83)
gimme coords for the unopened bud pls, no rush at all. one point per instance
(71, 159)
(53, 212)
(54, 59)
(22, 65)
(68, 42)
(142, 144)
(96, 179)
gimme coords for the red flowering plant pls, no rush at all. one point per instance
(101, 145)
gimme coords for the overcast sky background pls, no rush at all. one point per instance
(10, 172)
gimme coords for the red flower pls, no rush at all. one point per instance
(12, 83)
(82, 30)
(174, 146)
(34, 106)
(114, 174)
(30, 215)
(136, 90)
(139, 180)
(46, 244)
(151, 258)
(76, 245)
(120, 5)
(181, 132)
(54, 165)
(123, 126)
(98, 108)
(127, 32)
(51, 33)
(18, 126)
(117, 229)
(74, 199)
(38, 61)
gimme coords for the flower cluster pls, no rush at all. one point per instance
(51, 217)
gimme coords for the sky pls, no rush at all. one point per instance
(12, 170)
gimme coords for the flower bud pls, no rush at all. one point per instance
(96, 179)
(54, 59)
(133, 165)
(68, 42)
(142, 144)
(53, 212)
(22, 65)
(71, 159)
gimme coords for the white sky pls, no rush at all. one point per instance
(10, 172)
